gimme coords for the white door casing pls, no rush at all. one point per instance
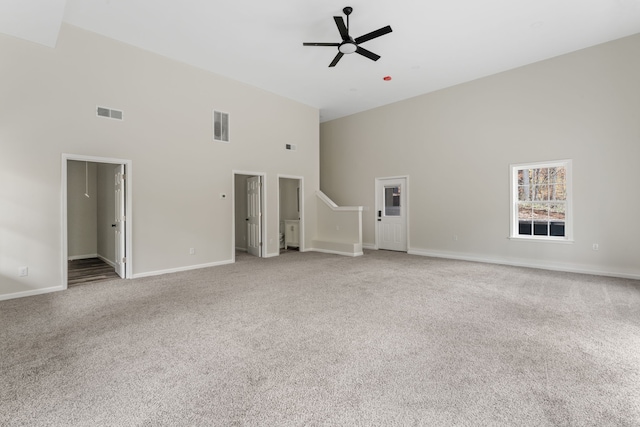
(254, 216)
(120, 220)
(391, 214)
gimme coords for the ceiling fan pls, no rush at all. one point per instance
(349, 44)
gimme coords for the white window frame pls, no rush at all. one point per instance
(568, 224)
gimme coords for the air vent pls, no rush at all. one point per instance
(220, 126)
(291, 147)
(109, 113)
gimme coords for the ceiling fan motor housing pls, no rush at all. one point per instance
(348, 43)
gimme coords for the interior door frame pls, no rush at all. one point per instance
(263, 208)
(378, 201)
(128, 233)
(300, 179)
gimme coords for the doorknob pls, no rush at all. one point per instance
(113, 225)
(247, 219)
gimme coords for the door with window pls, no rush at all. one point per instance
(391, 214)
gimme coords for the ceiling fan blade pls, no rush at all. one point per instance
(344, 33)
(321, 44)
(373, 34)
(336, 59)
(367, 53)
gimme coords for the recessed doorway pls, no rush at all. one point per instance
(290, 213)
(96, 219)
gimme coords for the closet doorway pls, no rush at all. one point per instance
(290, 209)
(96, 219)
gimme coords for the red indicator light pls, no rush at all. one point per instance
(387, 78)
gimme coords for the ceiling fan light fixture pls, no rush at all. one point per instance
(349, 44)
(348, 47)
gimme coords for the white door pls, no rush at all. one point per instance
(120, 221)
(254, 214)
(391, 215)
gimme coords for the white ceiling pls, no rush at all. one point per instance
(434, 43)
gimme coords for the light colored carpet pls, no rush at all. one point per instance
(310, 339)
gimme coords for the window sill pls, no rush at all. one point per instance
(540, 239)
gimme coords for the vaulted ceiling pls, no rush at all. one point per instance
(434, 43)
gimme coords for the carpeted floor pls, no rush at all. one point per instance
(308, 339)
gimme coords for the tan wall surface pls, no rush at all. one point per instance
(456, 145)
(48, 99)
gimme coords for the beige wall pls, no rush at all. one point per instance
(47, 107)
(289, 199)
(456, 146)
(241, 211)
(82, 211)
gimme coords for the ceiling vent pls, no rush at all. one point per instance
(109, 113)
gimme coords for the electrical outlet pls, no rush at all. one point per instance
(596, 247)
(23, 271)
(192, 251)
(455, 237)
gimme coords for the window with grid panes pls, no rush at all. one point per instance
(541, 205)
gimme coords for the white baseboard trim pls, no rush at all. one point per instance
(328, 251)
(373, 247)
(271, 255)
(86, 256)
(179, 269)
(108, 261)
(241, 249)
(31, 293)
(520, 263)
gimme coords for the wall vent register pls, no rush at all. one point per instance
(220, 126)
(109, 113)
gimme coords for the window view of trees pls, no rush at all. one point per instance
(542, 200)
(391, 201)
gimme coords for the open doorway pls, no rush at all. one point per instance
(248, 215)
(96, 219)
(290, 212)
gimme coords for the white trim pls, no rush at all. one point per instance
(107, 261)
(263, 210)
(542, 239)
(32, 293)
(272, 255)
(77, 257)
(526, 264)
(370, 246)
(89, 256)
(180, 269)
(301, 241)
(513, 198)
(128, 208)
(331, 204)
(328, 251)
